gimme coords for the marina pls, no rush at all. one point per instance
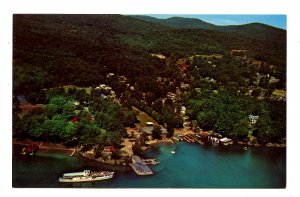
(176, 102)
(193, 138)
(192, 166)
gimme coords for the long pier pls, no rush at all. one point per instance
(139, 166)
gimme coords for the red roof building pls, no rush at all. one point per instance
(75, 119)
(183, 66)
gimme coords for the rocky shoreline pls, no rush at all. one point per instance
(262, 145)
(121, 162)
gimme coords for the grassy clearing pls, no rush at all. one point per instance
(26, 108)
(143, 117)
(281, 93)
(67, 87)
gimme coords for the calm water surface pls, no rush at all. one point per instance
(193, 166)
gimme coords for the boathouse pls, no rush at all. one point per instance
(213, 140)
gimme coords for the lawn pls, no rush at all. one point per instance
(281, 93)
(143, 117)
(67, 87)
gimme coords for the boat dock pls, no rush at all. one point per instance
(192, 138)
(139, 166)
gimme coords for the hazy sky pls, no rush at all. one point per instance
(235, 19)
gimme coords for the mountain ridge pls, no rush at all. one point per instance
(255, 30)
(49, 46)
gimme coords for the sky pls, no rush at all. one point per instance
(235, 19)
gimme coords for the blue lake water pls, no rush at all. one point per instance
(193, 166)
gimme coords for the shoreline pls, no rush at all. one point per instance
(47, 147)
(269, 144)
(75, 151)
(108, 165)
(155, 142)
(184, 131)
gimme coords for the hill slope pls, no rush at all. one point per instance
(178, 22)
(53, 50)
(253, 30)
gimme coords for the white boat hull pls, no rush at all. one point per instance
(84, 179)
(85, 176)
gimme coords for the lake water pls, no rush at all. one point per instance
(193, 166)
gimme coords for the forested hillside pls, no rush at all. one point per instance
(256, 31)
(47, 47)
(220, 75)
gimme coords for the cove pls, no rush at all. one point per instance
(192, 166)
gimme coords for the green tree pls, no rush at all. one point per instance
(241, 129)
(114, 138)
(207, 119)
(16, 126)
(156, 132)
(137, 148)
(170, 129)
(50, 110)
(58, 125)
(116, 154)
(103, 120)
(69, 108)
(128, 118)
(157, 105)
(82, 96)
(32, 124)
(265, 131)
(224, 124)
(69, 133)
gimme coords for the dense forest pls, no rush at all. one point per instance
(227, 113)
(74, 118)
(234, 69)
(256, 31)
(47, 47)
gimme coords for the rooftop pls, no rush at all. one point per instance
(225, 139)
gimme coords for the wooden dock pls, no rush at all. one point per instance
(192, 138)
(139, 166)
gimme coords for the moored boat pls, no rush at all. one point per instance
(30, 149)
